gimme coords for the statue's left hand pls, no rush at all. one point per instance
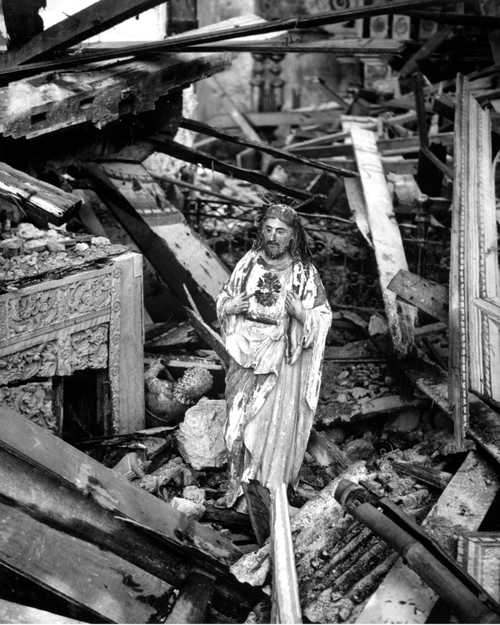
(294, 307)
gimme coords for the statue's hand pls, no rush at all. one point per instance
(238, 305)
(294, 307)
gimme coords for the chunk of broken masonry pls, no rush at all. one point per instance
(201, 435)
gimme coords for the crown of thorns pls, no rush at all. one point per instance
(284, 213)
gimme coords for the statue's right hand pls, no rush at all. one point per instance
(238, 305)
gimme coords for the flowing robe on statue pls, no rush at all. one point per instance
(273, 382)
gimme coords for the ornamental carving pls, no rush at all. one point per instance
(89, 348)
(88, 296)
(37, 361)
(33, 401)
(31, 312)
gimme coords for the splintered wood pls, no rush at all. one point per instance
(385, 235)
(40, 200)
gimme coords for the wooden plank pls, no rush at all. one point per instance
(354, 193)
(42, 201)
(128, 384)
(65, 508)
(45, 451)
(238, 117)
(385, 235)
(192, 603)
(96, 96)
(387, 147)
(103, 584)
(458, 358)
(16, 613)
(173, 250)
(80, 26)
(90, 21)
(426, 295)
(403, 597)
(285, 594)
(281, 118)
(210, 336)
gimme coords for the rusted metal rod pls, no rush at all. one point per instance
(462, 598)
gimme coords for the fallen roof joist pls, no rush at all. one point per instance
(385, 235)
(42, 201)
(403, 597)
(90, 21)
(200, 127)
(167, 145)
(85, 23)
(66, 490)
(173, 250)
(387, 147)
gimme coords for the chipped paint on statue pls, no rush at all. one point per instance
(274, 317)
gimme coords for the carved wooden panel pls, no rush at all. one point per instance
(474, 272)
(57, 327)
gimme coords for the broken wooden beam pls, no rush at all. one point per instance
(403, 596)
(42, 202)
(210, 336)
(99, 582)
(167, 145)
(432, 44)
(192, 602)
(170, 247)
(90, 21)
(239, 118)
(387, 147)
(426, 295)
(285, 588)
(202, 128)
(385, 236)
(11, 612)
(82, 25)
(48, 453)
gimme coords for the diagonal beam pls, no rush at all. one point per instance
(200, 127)
(88, 22)
(30, 52)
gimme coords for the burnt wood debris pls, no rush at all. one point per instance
(140, 144)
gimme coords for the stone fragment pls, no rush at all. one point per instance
(55, 246)
(190, 508)
(195, 494)
(358, 391)
(343, 375)
(200, 437)
(81, 247)
(29, 231)
(100, 241)
(377, 325)
(359, 449)
(35, 245)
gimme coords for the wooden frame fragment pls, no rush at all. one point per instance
(474, 310)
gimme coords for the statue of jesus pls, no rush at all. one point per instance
(274, 317)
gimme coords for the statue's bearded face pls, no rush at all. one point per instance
(277, 236)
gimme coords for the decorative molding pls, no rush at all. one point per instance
(114, 351)
(33, 401)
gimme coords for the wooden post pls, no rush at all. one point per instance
(126, 368)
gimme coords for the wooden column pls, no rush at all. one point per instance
(126, 341)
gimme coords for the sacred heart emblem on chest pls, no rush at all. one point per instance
(268, 288)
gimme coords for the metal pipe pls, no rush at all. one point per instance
(464, 603)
